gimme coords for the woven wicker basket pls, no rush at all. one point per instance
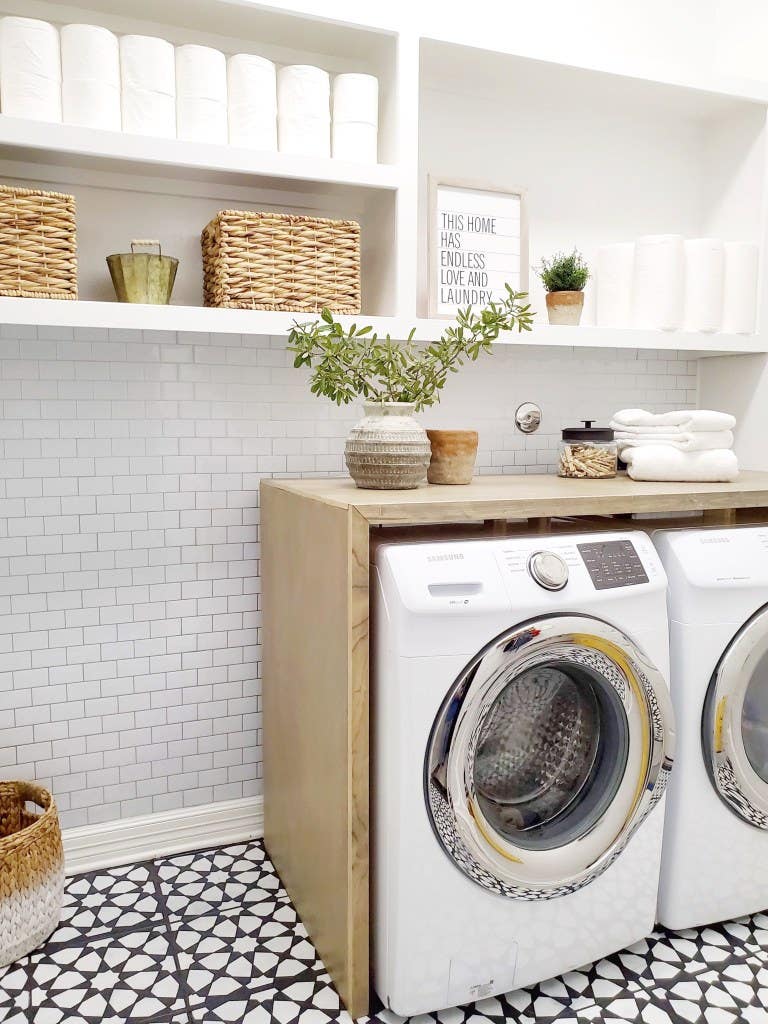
(31, 869)
(281, 262)
(38, 244)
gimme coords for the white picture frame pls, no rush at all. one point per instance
(468, 267)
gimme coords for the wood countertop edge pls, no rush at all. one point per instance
(436, 507)
(294, 487)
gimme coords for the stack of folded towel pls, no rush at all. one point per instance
(693, 445)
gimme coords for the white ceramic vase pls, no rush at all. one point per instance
(387, 449)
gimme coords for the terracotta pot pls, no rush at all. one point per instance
(387, 449)
(453, 456)
(565, 307)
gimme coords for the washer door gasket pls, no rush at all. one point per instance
(734, 723)
(548, 752)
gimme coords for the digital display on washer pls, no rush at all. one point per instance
(612, 563)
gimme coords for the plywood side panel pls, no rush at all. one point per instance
(315, 585)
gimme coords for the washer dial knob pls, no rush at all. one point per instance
(548, 570)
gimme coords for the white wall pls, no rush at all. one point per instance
(674, 37)
(130, 606)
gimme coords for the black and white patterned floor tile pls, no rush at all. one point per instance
(212, 938)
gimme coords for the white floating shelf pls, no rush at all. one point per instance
(91, 148)
(137, 317)
(588, 336)
(117, 315)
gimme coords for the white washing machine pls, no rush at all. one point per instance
(523, 737)
(716, 834)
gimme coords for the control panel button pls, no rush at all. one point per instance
(548, 570)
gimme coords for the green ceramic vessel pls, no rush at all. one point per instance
(143, 276)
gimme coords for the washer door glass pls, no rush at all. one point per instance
(548, 752)
(551, 754)
(735, 723)
(754, 720)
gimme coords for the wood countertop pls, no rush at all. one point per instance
(528, 496)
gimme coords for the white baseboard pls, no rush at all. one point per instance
(130, 840)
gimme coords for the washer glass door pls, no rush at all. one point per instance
(548, 752)
(735, 723)
(551, 752)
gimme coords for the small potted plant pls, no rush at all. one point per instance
(388, 448)
(564, 276)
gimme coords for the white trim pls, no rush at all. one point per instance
(130, 840)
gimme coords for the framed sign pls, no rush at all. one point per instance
(478, 242)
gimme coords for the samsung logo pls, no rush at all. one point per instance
(445, 558)
(715, 540)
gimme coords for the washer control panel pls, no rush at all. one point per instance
(612, 564)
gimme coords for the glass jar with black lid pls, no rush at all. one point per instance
(587, 452)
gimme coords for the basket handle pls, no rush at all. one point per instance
(147, 242)
(34, 793)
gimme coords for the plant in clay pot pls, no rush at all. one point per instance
(564, 276)
(388, 448)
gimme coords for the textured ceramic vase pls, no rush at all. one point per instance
(453, 456)
(565, 307)
(387, 449)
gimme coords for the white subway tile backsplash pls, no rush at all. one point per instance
(130, 597)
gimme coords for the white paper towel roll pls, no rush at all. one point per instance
(356, 98)
(740, 288)
(303, 93)
(615, 270)
(355, 141)
(659, 275)
(148, 86)
(30, 69)
(704, 264)
(201, 94)
(90, 88)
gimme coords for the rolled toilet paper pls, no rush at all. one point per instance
(303, 110)
(90, 52)
(303, 93)
(355, 141)
(252, 102)
(615, 271)
(90, 88)
(740, 288)
(304, 136)
(30, 69)
(91, 104)
(201, 120)
(704, 266)
(356, 98)
(201, 94)
(148, 86)
(658, 282)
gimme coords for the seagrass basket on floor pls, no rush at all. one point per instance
(281, 261)
(38, 244)
(31, 869)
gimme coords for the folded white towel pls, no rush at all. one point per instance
(685, 441)
(641, 421)
(662, 462)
